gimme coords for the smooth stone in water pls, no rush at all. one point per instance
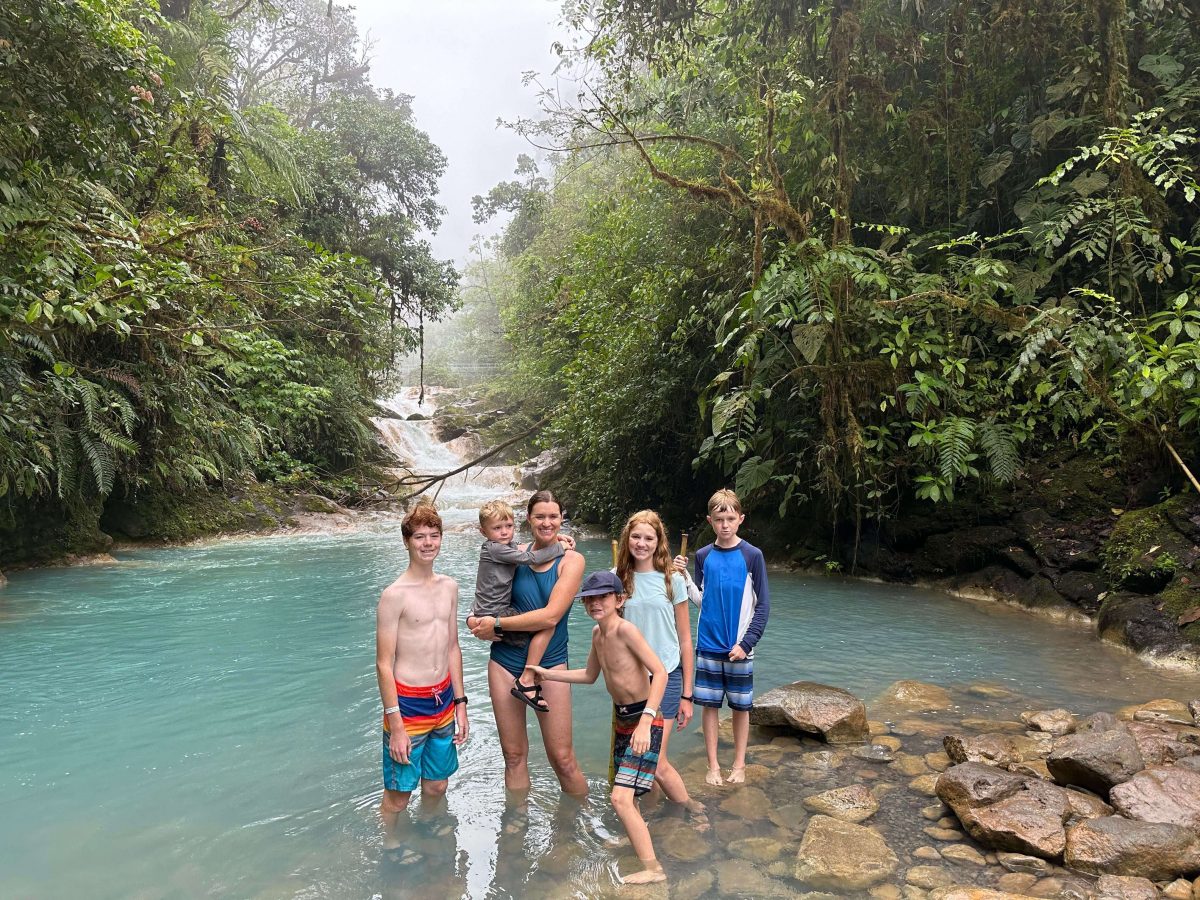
(927, 853)
(1016, 882)
(736, 879)
(939, 761)
(1118, 846)
(925, 784)
(1023, 863)
(1062, 887)
(944, 834)
(1095, 760)
(1179, 889)
(934, 811)
(928, 877)
(969, 892)
(842, 856)
(693, 887)
(993, 749)
(963, 853)
(837, 716)
(757, 849)
(885, 892)
(1028, 821)
(989, 691)
(823, 759)
(916, 694)
(681, 842)
(850, 804)
(748, 803)
(789, 816)
(874, 727)
(874, 753)
(887, 740)
(1160, 794)
(1194, 709)
(908, 765)
(988, 726)
(1051, 721)
(1172, 712)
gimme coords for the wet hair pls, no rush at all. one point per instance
(662, 559)
(542, 497)
(423, 515)
(724, 500)
(495, 511)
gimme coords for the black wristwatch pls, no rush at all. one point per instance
(496, 626)
(687, 698)
(462, 700)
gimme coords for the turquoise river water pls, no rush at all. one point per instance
(204, 721)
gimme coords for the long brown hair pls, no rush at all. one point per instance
(542, 497)
(662, 557)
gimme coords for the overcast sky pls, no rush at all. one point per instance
(462, 60)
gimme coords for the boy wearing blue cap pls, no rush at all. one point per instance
(636, 680)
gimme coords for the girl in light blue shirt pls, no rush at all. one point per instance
(657, 603)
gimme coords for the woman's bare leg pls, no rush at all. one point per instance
(556, 737)
(510, 726)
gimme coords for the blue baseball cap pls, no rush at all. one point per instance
(599, 583)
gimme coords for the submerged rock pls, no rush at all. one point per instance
(736, 879)
(916, 695)
(1115, 845)
(1169, 712)
(850, 804)
(841, 856)
(1095, 760)
(1125, 887)
(835, 715)
(994, 749)
(1160, 794)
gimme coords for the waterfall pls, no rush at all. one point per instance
(415, 445)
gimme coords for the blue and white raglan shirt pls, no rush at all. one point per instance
(735, 601)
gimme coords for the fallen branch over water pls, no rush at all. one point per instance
(422, 483)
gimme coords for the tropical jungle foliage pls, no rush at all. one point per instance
(856, 252)
(209, 246)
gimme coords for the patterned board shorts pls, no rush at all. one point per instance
(718, 678)
(633, 771)
(432, 756)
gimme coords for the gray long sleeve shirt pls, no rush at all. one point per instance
(497, 566)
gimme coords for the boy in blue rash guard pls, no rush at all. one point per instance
(734, 605)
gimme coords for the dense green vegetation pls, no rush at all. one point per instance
(209, 248)
(854, 253)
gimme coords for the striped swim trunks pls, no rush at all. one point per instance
(718, 678)
(633, 771)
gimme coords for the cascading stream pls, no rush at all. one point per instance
(415, 445)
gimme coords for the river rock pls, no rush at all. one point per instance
(993, 749)
(963, 853)
(837, 716)
(1023, 863)
(874, 753)
(762, 850)
(925, 784)
(543, 467)
(850, 804)
(909, 765)
(1052, 721)
(736, 879)
(1017, 882)
(1062, 887)
(1029, 821)
(927, 853)
(1194, 709)
(1179, 889)
(934, 811)
(1170, 712)
(916, 695)
(1160, 794)
(969, 892)
(1095, 760)
(1125, 887)
(928, 877)
(969, 785)
(1164, 743)
(841, 856)
(938, 760)
(749, 803)
(1118, 846)
(693, 887)
(1085, 805)
(885, 892)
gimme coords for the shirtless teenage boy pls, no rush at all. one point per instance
(419, 665)
(622, 654)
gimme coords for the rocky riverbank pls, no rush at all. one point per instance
(948, 794)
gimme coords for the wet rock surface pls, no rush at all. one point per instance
(835, 715)
(843, 856)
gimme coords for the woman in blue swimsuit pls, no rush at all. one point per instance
(544, 595)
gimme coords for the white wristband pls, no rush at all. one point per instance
(390, 710)
(651, 712)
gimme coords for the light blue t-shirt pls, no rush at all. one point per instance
(654, 615)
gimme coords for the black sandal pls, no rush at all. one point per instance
(522, 692)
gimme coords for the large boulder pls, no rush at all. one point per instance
(841, 856)
(544, 467)
(1160, 744)
(1115, 845)
(971, 785)
(1029, 821)
(1124, 887)
(836, 716)
(1095, 760)
(1160, 794)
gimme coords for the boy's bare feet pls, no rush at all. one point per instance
(697, 815)
(737, 775)
(652, 874)
(714, 777)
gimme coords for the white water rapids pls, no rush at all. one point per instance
(414, 444)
